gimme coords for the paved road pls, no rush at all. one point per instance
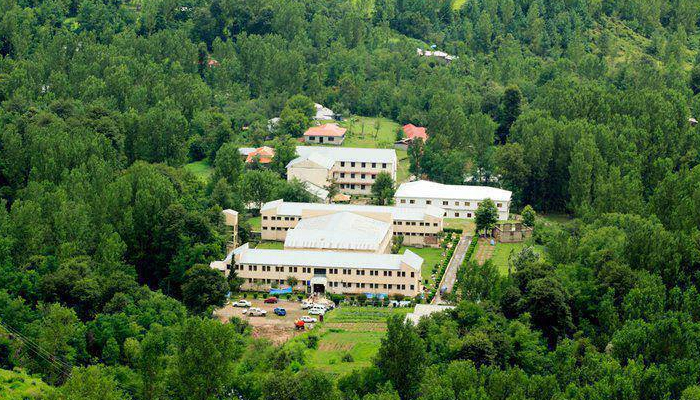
(451, 272)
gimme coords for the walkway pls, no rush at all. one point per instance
(448, 280)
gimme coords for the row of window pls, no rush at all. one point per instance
(327, 138)
(362, 164)
(276, 228)
(361, 285)
(447, 203)
(330, 271)
(413, 223)
(362, 176)
(273, 218)
(352, 186)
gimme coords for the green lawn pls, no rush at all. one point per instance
(201, 169)
(357, 331)
(466, 225)
(402, 173)
(255, 223)
(503, 251)
(19, 385)
(362, 132)
(270, 245)
(431, 257)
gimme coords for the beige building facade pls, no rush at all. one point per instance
(328, 271)
(354, 169)
(419, 227)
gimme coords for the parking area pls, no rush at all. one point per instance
(273, 327)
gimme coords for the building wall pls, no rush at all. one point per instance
(415, 233)
(455, 208)
(306, 173)
(332, 140)
(345, 281)
(355, 177)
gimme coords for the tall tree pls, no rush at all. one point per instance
(486, 216)
(401, 356)
(383, 189)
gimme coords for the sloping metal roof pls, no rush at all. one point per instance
(350, 153)
(434, 190)
(327, 259)
(398, 213)
(339, 231)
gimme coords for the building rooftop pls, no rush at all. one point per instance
(329, 259)
(332, 154)
(398, 213)
(411, 131)
(339, 231)
(264, 154)
(326, 130)
(434, 190)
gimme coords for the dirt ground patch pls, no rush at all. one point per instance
(484, 251)
(273, 327)
(357, 326)
(334, 346)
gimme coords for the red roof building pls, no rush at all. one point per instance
(263, 154)
(326, 133)
(411, 131)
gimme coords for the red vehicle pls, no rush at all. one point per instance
(271, 300)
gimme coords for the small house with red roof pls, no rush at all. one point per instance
(263, 155)
(411, 133)
(325, 134)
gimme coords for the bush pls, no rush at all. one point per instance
(347, 357)
(311, 342)
(245, 295)
(255, 295)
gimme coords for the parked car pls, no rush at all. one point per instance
(308, 320)
(271, 300)
(280, 311)
(317, 311)
(305, 305)
(255, 312)
(242, 303)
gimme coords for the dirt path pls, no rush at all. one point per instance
(484, 251)
(448, 280)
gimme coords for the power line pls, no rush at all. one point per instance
(62, 367)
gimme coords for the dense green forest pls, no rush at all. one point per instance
(577, 106)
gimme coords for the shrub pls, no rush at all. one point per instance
(245, 295)
(347, 357)
(255, 295)
(312, 341)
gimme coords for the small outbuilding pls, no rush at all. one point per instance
(325, 134)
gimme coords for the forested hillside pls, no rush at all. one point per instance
(582, 107)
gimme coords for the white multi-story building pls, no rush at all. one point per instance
(354, 169)
(458, 201)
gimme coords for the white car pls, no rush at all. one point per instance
(305, 305)
(317, 311)
(308, 320)
(242, 303)
(255, 312)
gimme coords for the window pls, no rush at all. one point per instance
(403, 201)
(469, 215)
(374, 165)
(456, 203)
(413, 202)
(457, 215)
(428, 202)
(342, 174)
(363, 177)
(264, 217)
(413, 274)
(413, 287)
(352, 164)
(444, 203)
(342, 163)
(383, 165)
(352, 175)
(362, 187)
(330, 139)
(499, 205)
(364, 165)
(467, 204)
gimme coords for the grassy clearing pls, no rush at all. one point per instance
(467, 225)
(270, 245)
(19, 385)
(431, 257)
(255, 223)
(402, 173)
(503, 251)
(201, 169)
(362, 132)
(356, 331)
(457, 4)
